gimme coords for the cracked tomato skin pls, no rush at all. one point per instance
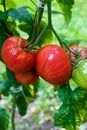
(29, 77)
(14, 55)
(79, 75)
(53, 64)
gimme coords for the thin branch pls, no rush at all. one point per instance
(13, 111)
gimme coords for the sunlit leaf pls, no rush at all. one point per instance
(66, 6)
(11, 4)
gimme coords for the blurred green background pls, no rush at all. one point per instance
(41, 111)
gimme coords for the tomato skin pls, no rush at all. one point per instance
(80, 49)
(14, 56)
(29, 77)
(79, 75)
(53, 65)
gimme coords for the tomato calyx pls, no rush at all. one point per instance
(74, 56)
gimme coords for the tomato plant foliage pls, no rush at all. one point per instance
(4, 119)
(34, 23)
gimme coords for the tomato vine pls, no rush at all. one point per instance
(68, 115)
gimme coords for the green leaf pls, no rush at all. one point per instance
(1, 2)
(2, 38)
(20, 14)
(74, 108)
(3, 16)
(80, 95)
(65, 117)
(29, 92)
(67, 2)
(63, 94)
(21, 104)
(47, 37)
(5, 87)
(12, 27)
(4, 119)
(11, 4)
(66, 6)
(61, 116)
(72, 42)
(11, 77)
(26, 27)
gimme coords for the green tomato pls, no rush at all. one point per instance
(79, 75)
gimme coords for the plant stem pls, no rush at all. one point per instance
(13, 111)
(36, 27)
(72, 106)
(39, 37)
(4, 5)
(50, 22)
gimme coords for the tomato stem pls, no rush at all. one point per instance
(4, 5)
(13, 111)
(37, 20)
(49, 26)
(36, 37)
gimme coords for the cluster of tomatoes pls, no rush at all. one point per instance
(50, 62)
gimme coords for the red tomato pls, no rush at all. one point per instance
(78, 49)
(53, 64)
(14, 55)
(26, 78)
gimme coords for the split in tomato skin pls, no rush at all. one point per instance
(79, 75)
(53, 64)
(14, 55)
(26, 78)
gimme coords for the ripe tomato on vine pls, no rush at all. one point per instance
(26, 78)
(14, 55)
(53, 64)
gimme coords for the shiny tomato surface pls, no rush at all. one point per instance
(14, 55)
(53, 64)
(26, 78)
